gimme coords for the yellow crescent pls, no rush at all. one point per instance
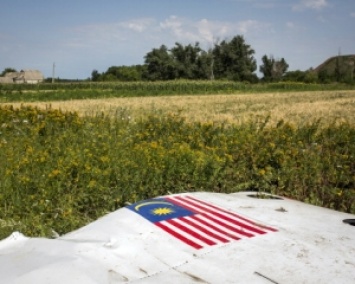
(150, 203)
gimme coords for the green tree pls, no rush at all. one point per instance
(159, 65)
(119, 73)
(189, 61)
(295, 76)
(234, 60)
(310, 76)
(338, 69)
(128, 73)
(266, 68)
(7, 70)
(108, 77)
(204, 65)
(180, 62)
(273, 69)
(324, 76)
(231, 60)
(344, 69)
(95, 75)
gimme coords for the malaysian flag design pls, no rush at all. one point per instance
(196, 222)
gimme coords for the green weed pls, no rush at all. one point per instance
(60, 171)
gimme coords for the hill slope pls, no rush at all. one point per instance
(343, 64)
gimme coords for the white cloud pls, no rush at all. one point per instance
(207, 31)
(249, 26)
(352, 14)
(262, 4)
(311, 4)
(205, 28)
(178, 29)
(138, 25)
(106, 34)
(170, 30)
(290, 25)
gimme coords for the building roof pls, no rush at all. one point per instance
(32, 75)
(12, 74)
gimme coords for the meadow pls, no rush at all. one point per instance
(66, 163)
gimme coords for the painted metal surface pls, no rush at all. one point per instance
(193, 238)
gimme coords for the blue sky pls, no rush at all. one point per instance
(83, 35)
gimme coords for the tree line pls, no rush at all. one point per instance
(228, 60)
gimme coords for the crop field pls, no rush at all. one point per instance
(66, 163)
(299, 108)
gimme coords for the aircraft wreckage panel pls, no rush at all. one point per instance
(195, 237)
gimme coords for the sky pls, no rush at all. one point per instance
(79, 36)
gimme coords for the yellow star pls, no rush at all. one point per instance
(162, 211)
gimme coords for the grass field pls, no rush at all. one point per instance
(66, 163)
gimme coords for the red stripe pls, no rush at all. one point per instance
(223, 224)
(249, 235)
(196, 217)
(190, 232)
(231, 213)
(204, 230)
(178, 236)
(235, 222)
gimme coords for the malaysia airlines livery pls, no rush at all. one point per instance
(195, 237)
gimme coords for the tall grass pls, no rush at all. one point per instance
(60, 171)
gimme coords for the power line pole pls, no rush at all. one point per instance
(53, 72)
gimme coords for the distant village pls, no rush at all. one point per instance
(22, 77)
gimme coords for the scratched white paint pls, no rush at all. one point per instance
(312, 245)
